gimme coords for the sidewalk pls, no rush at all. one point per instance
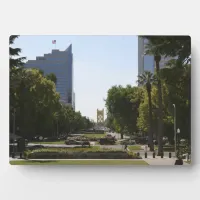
(150, 161)
(161, 161)
(158, 160)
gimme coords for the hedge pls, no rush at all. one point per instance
(79, 153)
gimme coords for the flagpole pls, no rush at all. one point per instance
(54, 42)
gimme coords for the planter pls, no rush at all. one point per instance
(179, 162)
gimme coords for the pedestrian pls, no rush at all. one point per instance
(125, 147)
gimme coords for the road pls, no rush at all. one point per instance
(117, 146)
(57, 145)
(118, 135)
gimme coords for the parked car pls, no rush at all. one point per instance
(85, 143)
(73, 142)
(51, 139)
(104, 141)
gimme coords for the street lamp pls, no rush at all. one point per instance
(178, 138)
(174, 127)
(179, 160)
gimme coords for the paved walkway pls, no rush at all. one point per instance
(158, 160)
(150, 161)
(162, 161)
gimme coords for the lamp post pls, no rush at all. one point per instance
(174, 128)
(179, 160)
(178, 138)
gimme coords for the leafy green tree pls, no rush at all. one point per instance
(14, 52)
(52, 77)
(122, 106)
(35, 98)
(143, 121)
(178, 82)
(35, 103)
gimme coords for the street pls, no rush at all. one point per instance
(118, 135)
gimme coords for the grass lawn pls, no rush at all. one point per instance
(56, 142)
(135, 147)
(94, 135)
(79, 162)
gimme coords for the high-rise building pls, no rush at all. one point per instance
(61, 64)
(146, 62)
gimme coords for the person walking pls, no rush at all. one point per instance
(125, 147)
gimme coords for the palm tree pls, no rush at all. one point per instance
(147, 79)
(153, 48)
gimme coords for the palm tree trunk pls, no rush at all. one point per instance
(160, 108)
(150, 138)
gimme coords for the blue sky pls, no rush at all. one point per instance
(99, 63)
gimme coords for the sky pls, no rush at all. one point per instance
(100, 62)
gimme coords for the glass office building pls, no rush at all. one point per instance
(146, 62)
(61, 64)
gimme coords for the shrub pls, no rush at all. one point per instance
(79, 153)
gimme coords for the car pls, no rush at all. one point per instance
(73, 142)
(85, 143)
(103, 141)
(51, 139)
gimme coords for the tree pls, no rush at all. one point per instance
(178, 82)
(35, 102)
(143, 119)
(15, 62)
(179, 48)
(35, 98)
(56, 120)
(52, 77)
(147, 79)
(173, 46)
(122, 106)
(152, 48)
